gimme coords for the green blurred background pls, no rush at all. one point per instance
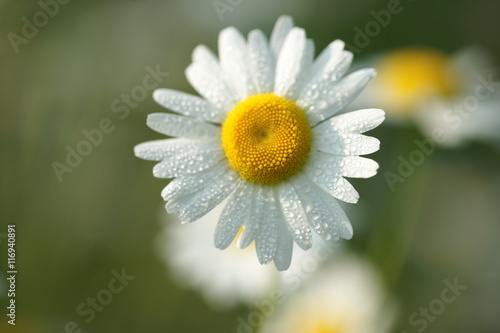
(443, 222)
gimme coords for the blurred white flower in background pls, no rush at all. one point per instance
(267, 136)
(345, 297)
(234, 276)
(454, 99)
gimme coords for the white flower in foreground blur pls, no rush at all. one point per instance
(346, 297)
(451, 98)
(266, 136)
(230, 277)
(224, 278)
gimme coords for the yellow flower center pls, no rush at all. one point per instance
(410, 76)
(266, 138)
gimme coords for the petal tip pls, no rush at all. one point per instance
(285, 19)
(347, 232)
(282, 266)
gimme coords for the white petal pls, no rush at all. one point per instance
(233, 216)
(158, 150)
(281, 29)
(260, 224)
(327, 174)
(339, 95)
(345, 191)
(295, 216)
(357, 167)
(194, 206)
(189, 161)
(354, 122)
(186, 127)
(352, 166)
(328, 59)
(187, 184)
(188, 105)
(262, 62)
(204, 56)
(306, 71)
(234, 62)
(154, 150)
(252, 223)
(323, 212)
(284, 248)
(207, 77)
(339, 143)
(329, 68)
(338, 135)
(293, 64)
(266, 240)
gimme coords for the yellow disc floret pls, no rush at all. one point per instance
(266, 138)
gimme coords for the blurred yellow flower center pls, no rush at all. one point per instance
(325, 329)
(410, 76)
(315, 323)
(266, 138)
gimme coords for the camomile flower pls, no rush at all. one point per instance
(409, 77)
(268, 137)
(452, 98)
(347, 297)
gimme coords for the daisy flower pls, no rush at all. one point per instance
(346, 297)
(450, 95)
(268, 137)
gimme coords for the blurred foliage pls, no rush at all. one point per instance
(441, 223)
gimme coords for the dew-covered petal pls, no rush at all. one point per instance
(282, 28)
(189, 162)
(234, 62)
(353, 122)
(194, 206)
(352, 166)
(327, 174)
(356, 166)
(187, 184)
(251, 227)
(233, 216)
(158, 150)
(340, 94)
(295, 216)
(327, 60)
(293, 64)
(207, 77)
(284, 248)
(330, 66)
(261, 61)
(339, 143)
(260, 224)
(323, 212)
(266, 240)
(345, 191)
(188, 105)
(181, 126)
